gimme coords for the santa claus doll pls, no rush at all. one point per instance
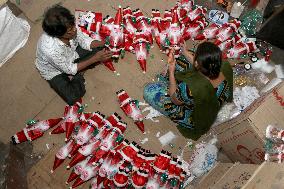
(141, 48)
(34, 130)
(130, 108)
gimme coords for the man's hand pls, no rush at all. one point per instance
(96, 44)
(102, 55)
(99, 57)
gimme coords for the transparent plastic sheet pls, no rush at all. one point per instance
(251, 77)
(14, 33)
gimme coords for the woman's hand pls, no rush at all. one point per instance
(183, 48)
(171, 62)
(186, 53)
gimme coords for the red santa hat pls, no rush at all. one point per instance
(235, 24)
(138, 160)
(123, 97)
(85, 116)
(73, 175)
(69, 126)
(108, 19)
(156, 15)
(138, 14)
(121, 126)
(172, 168)
(175, 17)
(83, 152)
(140, 37)
(251, 46)
(122, 145)
(127, 12)
(98, 154)
(184, 1)
(162, 161)
(140, 126)
(118, 16)
(95, 26)
(62, 154)
(97, 119)
(120, 179)
(129, 152)
(168, 15)
(140, 178)
(112, 119)
(178, 170)
(143, 64)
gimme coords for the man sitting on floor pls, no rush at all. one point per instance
(63, 51)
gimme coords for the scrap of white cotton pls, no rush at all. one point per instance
(144, 140)
(47, 146)
(158, 134)
(93, 98)
(153, 79)
(143, 104)
(118, 74)
(167, 138)
(244, 96)
(152, 113)
(263, 66)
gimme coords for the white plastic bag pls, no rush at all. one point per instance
(14, 33)
(203, 158)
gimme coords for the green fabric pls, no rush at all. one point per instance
(206, 105)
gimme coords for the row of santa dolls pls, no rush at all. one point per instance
(74, 115)
(96, 146)
(133, 32)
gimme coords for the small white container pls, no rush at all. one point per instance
(237, 10)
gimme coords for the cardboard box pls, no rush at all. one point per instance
(262, 5)
(237, 176)
(34, 9)
(213, 175)
(242, 138)
(268, 175)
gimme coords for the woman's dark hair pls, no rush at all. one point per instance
(209, 59)
(57, 20)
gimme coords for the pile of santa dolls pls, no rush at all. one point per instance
(133, 32)
(98, 150)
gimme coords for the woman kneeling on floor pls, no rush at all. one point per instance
(192, 98)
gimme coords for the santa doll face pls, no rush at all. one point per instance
(174, 34)
(135, 113)
(176, 47)
(116, 36)
(43, 126)
(81, 140)
(129, 27)
(79, 168)
(141, 53)
(84, 175)
(225, 33)
(89, 17)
